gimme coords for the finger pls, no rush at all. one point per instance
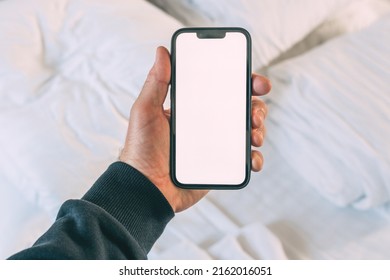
(260, 85)
(259, 112)
(167, 113)
(257, 136)
(257, 161)
(156, 85)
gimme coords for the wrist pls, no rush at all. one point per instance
(162, 183)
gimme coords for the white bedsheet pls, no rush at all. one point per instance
(281, 203)
(329, 116)
(347, 78)
(65, 93)
(69, 72)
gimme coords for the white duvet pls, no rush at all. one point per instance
(69, 72)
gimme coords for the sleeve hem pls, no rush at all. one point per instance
(132, 199)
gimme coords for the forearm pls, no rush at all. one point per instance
(120, 217)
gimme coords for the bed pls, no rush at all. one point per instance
(71, 69)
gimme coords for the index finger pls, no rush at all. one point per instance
(260, 85)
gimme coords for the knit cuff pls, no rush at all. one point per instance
(134, 201)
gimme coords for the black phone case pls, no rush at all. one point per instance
(206, 32)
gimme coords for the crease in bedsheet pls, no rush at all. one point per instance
(350, 162)
(252, 241)
(372, 195)
(341, 196)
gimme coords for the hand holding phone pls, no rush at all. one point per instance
(147, 142)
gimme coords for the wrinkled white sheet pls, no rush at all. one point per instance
(69, 72)
(329, 116)
(278, 206)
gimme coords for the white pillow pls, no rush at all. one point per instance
(275, 25)
(69, 72)
(329, 116)
(352, 18)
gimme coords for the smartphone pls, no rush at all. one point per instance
(210, 108)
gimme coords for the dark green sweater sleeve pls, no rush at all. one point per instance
(120, 217)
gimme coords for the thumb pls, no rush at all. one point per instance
(156, 85)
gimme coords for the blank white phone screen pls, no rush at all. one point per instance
(211, 98)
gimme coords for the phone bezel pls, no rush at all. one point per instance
(248, 107)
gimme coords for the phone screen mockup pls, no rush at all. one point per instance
(210, 103)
